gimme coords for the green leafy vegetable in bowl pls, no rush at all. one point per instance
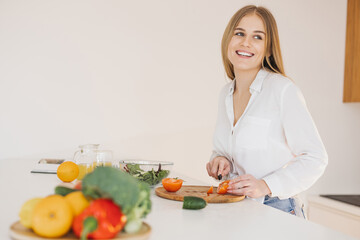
(151, 177)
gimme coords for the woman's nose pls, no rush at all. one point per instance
(246, 41)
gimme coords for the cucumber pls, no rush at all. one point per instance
(193, 203)
(63, 191)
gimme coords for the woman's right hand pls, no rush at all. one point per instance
(217, 166)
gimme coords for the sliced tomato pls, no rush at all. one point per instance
(211, 190)
(172, 184)
(222, 189)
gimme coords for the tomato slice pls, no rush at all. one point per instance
(222, 189)
(172, 184)
(211, 190)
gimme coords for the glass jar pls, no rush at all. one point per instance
(85, 158)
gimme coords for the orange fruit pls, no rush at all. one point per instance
(68, 171)
(77, 201)
(52, 217)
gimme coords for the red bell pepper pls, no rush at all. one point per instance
(102, 219)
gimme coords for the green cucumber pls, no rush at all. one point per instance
(63, 191)
(193, 203)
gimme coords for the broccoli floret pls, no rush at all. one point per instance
(141, 209)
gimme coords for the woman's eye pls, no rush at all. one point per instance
(258, 37)
(239, 34)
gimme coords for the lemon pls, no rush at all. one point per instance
(77, 201)
(26, 211)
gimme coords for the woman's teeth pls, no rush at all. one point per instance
(245, 54)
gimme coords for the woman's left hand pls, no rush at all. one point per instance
(249, 186)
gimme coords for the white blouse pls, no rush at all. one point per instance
(275, 139)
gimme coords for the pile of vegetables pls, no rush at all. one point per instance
(150, 177)
(112, 193)
(131, 195)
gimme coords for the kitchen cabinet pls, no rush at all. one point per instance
(352, 53)
(334, 214)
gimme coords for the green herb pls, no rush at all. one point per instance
(150, 177)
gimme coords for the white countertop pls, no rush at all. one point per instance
(246, 219)
(334, 204)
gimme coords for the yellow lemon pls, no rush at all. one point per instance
(26, 211)
(77, 201)
(52, 217)
(67, 171)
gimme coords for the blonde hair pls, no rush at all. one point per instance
(272, 60)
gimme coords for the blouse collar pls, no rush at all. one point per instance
(256, 85)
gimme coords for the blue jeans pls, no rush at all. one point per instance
(289, 205)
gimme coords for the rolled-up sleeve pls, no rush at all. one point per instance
(310, 157)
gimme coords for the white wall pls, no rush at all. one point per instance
(142, 78)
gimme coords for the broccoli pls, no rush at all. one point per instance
(126, 191)
(141, 209)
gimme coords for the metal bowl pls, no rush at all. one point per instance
(151, 172)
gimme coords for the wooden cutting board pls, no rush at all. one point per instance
(19, 232)
(198, 191)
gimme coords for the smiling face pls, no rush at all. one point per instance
(246, 49)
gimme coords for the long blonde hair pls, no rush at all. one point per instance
(273, 59)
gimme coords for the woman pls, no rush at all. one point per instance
(265, 140)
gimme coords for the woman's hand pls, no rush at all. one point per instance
(217, 166)
(249, 186)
